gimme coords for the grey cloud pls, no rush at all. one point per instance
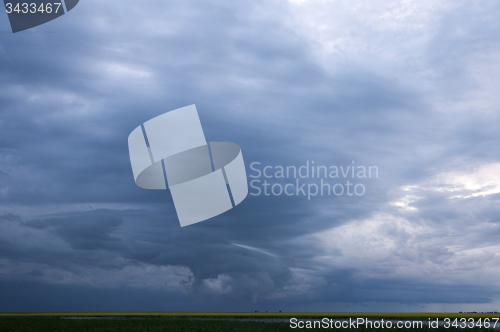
(85, 231)
(70, 99)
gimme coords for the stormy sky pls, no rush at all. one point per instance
(411, 87)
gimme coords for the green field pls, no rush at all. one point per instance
(178, 321)
(398, 315)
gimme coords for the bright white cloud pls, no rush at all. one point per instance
(390, 245)
(482, 180)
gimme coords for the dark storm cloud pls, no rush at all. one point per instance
(70, 99)
(84, 231)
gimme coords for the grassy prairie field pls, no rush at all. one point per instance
(159, 321)
(385, 315)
